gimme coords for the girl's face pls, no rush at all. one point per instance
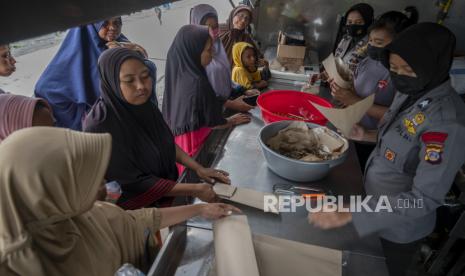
(248, 57)
(213, 27)
(111, 29)
(399, 66)
(241, 20)
(355, 18)
(7, 61)
(135, 82)
(380, 38)
(207, 53)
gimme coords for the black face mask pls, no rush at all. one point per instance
(376, 53)
(407, 85)
(356, 30)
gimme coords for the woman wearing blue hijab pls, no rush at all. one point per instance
(70, 83)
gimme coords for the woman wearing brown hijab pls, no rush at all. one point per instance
(50, 221)
(235, 30)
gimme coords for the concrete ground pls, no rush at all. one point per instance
(141, 27)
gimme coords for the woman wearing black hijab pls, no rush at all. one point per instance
(420, 147)
(144, 154)
(352, 47)
(190, 105)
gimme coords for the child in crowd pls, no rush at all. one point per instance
(245, 71)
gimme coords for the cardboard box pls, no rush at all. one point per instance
(289, 64)
(287, 51)
(292, 52)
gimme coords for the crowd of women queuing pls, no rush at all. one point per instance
(95, 118)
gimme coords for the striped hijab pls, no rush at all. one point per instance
(17, 113)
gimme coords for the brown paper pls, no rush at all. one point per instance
(345, 118)
(223, 190)
(277, 257)
(244, 196)
(330, 66)
(236, 250)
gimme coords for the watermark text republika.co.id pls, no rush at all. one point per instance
(330, 203)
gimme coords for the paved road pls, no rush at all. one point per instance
(142, 28)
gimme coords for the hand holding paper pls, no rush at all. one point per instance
(331, 69)
(344, 119)
(249, 197)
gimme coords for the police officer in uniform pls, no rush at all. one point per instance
(353, 46)
(420, 147)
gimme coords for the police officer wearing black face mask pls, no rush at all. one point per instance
(352, 47)
(371, 75)
(420, 147)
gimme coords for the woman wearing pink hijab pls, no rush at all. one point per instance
(20, 112)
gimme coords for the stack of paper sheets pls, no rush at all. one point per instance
(238, 253)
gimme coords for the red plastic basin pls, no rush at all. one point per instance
(280, 105)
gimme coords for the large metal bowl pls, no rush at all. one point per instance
(293, 169)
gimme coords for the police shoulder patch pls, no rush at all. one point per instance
(434, 144)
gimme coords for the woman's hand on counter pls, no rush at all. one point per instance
(234, 120)
(211, 175)
(238, 119)
(252, 92)
(217, 210)
(238, 104)
(329, 220)
(205, 192)
(174, 215)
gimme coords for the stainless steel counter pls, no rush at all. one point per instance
(198, 258)
(241, 156)
(243, 159)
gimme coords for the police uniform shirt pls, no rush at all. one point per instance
(418, 154)
(371, 77)
(352, 54)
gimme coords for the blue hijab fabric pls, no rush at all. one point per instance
(70, 83)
